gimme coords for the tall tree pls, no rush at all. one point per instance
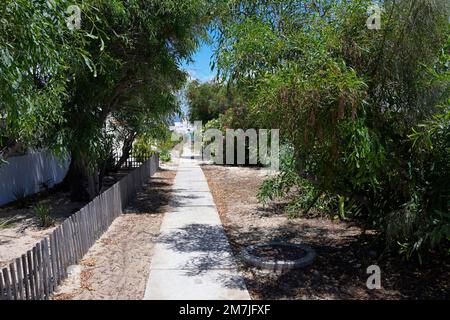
(59, 85)
(208, 100)
(347, 99)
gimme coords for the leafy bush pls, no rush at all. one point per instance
(147, 146)
(346, 99)
(302, 194)
(164, 155)
(142, 149)
(6, 223)
(207, 101)
(42, 212)
(424, 221)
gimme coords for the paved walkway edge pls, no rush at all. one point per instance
(192, 258)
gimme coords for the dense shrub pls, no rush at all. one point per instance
(364, 111)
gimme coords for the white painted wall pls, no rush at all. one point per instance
(28, 172)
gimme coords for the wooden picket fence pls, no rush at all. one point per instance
(36, 274)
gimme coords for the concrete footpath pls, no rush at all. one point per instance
(192, 257)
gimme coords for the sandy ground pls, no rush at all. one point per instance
(343, 254)
(23, 230)
(117, 266)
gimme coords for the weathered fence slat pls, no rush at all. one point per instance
(46, 268)
(102, 212)
(2, 288)
(12, 270)
(57, 256)
(73, 239)
(53, 259)
(60, 244)
(91, 228)
(88, 226)
(70, 240)
(30, 275)
(35, 273)
(92, 216)
(78, 237)
(26, 282)
(85, 228)
(96, 205)
(7, 283)
(79, 232)
(84, 220)
(64, 247)
(110, 208)
(72, 227)
(43, 271)
(61, 253)
(19, 278)
(40, 271)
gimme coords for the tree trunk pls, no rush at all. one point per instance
(82, 180)
(126, 150)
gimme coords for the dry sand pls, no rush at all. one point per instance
(24, 231)
(117, 266)
(343, 254)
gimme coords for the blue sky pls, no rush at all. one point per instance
(200, 68)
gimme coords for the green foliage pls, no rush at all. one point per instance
(148, 145)
(424, 221)
(280, 185)
(34, 57)
(42, 212)
(364, 155)
(215, 124)
(142, 149)
(165, 156)
(364, 113)
(72, 91)
(139, 96)
(165, 146)
(207, 101)
(362, 109)
(302, 194)
(6, 223)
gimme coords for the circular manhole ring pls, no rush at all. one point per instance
(279, 265)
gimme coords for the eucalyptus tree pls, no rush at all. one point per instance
(208, 100)
(60, 82)
(347, 98)
(38, 54)
(137, 55)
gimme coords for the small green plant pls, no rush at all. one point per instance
(43, 214)
(165, 156)
(142, 149)
(6, 223)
